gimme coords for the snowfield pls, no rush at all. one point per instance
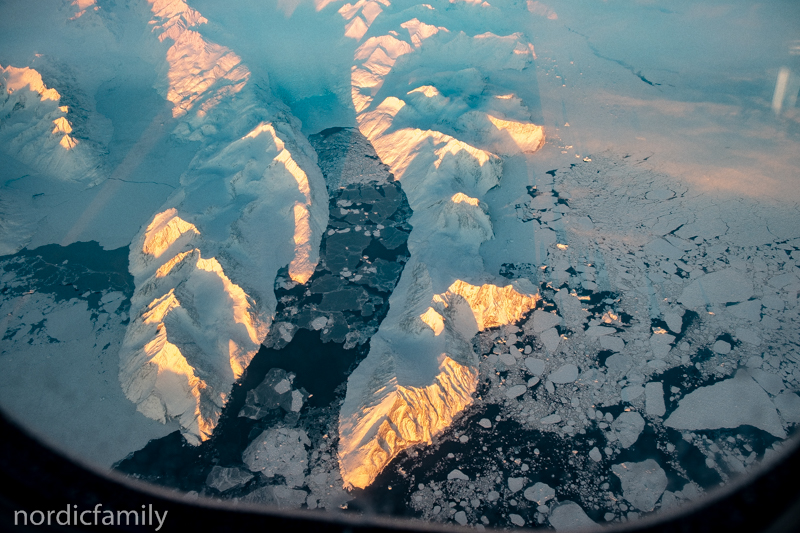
(519, 263)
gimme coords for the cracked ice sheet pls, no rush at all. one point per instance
(696, 123)
(63, 385)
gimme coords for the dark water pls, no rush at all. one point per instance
(321, 328)
(68, 271)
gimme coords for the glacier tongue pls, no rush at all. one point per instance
(253, 201)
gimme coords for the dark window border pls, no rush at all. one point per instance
(33, 476)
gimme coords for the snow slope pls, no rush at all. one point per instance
(252, 202)
(36, 127)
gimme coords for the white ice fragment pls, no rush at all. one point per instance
(550, 339)
(723, 286)
(457, 474)
(599, 331)
(594, 455)
(768, 322)
(661, 344)
(748, 335)
(555, 418)
(515, 484)
(485, 422)
(618, 363)
(788, 403)
(508, 359)
(630, 393)
(773, 301)
(565, 374)
(668, 500)
(654, 399)
(536, 366)
(781, 280)
(533, 381)
(279, 451)
(569, 516)
(516, 519)
(516, 390)
(542, 320)
(674, 321)
(224, 479)
(730, 403)
(297, 401)
(750, 310)
(70, 322)
(754, 362)
(627, 428)
(319, 323)
(721, 347)
(461, 518)
(772, 383)
(642, 483)
(283, 386)
(540, 493)
(615, 344)
(664, 249)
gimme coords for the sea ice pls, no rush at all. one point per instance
(536, 366)
(223, 479)
(550, 339)
(542, 320)
(539, 493)
(457, 474)
(626, 428)
(555, 418)
(654, 398)
(516, 390)
(515, 484)
(615, 344)
(730, 403)
(569, 516)
(595, 455)
(788, 403)
(723, 286)
(642, 483)
(279, 451)
(564, 374)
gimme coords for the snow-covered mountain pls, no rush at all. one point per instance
(421, 369)
(411, 227)
(252, 202)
